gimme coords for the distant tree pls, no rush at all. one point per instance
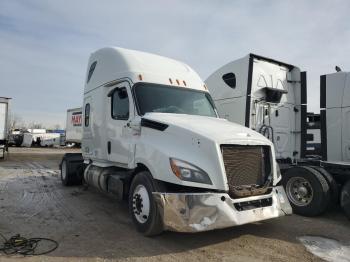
(34, 125)
(15, 122)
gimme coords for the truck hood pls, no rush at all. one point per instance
(220, 130)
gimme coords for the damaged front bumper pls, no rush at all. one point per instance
(195, 212)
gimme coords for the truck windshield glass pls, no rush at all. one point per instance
(168, 99)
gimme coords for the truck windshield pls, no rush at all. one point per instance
(177, 100)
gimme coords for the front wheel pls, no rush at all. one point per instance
(143, 209)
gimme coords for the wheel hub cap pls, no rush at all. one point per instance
(141, 204)
(299, 191)
(302, 191)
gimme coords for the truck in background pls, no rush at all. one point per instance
(42, 137)
(151, 134)
(270, 97)
(16, 138)
(4, 125)
(74, 128)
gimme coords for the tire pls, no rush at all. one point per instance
(148, 223)
(345, 199)
(69, 177)
(333, 186)
(307, 190)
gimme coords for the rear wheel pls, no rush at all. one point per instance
(143, 209)
(307, 190)
(333, 186)
(345, 199)
(68, 176)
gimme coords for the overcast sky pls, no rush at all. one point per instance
(45, 45)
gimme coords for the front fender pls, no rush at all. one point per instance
(155, 148)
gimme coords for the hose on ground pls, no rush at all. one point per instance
(18, 245)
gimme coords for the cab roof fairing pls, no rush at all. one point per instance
(116, 63)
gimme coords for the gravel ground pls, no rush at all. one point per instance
(90, 226)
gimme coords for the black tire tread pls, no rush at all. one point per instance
(345, 198)
(333, 186)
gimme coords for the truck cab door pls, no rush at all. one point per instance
(119, 110)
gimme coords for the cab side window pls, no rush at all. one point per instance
(120, 104)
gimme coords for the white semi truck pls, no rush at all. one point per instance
(270, 97)
(74, 129)
(151, 134)
(4, 125)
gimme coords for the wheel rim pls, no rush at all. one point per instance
(63, 170)
(299, 191)
(141, 204)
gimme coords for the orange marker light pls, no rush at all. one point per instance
(175, 169)
(140, 77)
(184, 82)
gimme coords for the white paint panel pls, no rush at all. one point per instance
(346, 134)
(232, 109)
(346, 95)
(3, 120)
(335, 89)
(220, 90)
(334, 124)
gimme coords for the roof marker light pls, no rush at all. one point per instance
(140, 77)
(184, 82)
(171, 81)
(177, 81)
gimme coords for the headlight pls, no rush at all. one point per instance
(188, 172)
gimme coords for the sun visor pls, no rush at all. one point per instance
(273, 95)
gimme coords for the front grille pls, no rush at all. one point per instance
(246, 166)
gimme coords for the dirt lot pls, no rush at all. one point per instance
(90, 226)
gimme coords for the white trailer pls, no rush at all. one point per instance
(74, 128)
(151, 134)
(270, 97)
(335, 130)
(4, 125)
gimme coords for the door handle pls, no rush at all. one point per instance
(109, 147)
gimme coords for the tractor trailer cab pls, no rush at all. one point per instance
(267, 96)
(151, 134)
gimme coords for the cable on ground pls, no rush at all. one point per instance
(18, 245)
